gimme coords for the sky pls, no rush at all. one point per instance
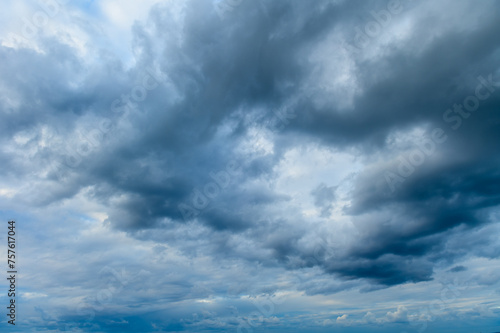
(251, 166)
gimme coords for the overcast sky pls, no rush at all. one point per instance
(252, 166)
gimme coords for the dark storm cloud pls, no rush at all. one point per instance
(385, 270)
(408, 87)
(224, 78)
(217, 71)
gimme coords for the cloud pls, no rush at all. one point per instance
(400, 315)
(459, 268)
(248, 154)
(342, 319)
(323, 196)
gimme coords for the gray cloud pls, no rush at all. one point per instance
(203, 163)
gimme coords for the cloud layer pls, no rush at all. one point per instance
(236, 153)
